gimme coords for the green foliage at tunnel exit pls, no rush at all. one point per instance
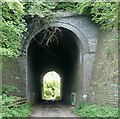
(9, 108)
(96, 111)
(13, 24)
(51, 89)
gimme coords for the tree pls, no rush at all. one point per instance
(51, 89)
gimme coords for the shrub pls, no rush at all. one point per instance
(95, 111)
(57, 97)
(9, 104)
(9, 89)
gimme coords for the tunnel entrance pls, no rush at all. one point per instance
(61, 55)
(51, 86)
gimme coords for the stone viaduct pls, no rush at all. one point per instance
(72, 58)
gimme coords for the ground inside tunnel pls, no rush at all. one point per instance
(47, 110)
(62, 55)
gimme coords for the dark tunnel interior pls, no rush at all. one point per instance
(61, 55)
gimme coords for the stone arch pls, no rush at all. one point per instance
(83, 40)
(67, 60)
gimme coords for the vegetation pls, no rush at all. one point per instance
(51, 87)
(12, 106)
(103, 13)
(95, 111)
(42, 9)
(13, 24)
(9, 89)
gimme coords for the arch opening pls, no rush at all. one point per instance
(51, 86)
(62, 56)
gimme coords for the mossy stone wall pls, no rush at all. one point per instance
(103, 87)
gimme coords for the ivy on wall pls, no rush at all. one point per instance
(103, 13)
(13, 23)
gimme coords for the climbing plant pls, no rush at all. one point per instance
(13, 23)
(42, 9)
(103, 13)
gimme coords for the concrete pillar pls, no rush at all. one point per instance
(88, 60)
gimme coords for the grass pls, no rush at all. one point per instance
(6, 111)
(84, 110)
(22, 111)
(9, 107)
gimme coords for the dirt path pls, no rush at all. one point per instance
(52, 110)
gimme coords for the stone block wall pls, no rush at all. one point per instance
(103, 89)
(101, 86)
(11, 73)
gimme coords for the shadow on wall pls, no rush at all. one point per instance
(61, 56)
